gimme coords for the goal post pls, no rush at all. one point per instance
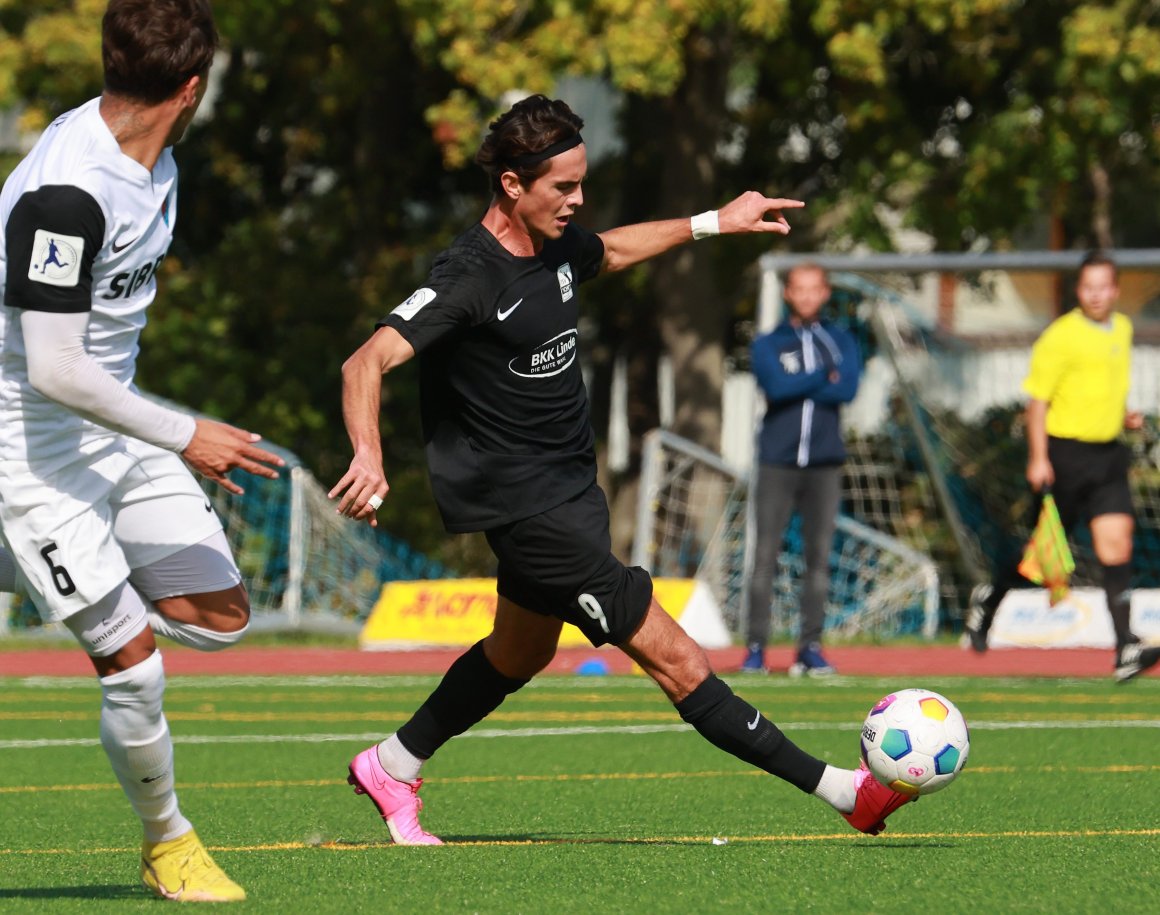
(306, 567)
(693, 522)
(950, 336)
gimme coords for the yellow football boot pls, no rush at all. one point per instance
(181, 869)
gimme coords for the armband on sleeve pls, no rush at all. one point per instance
(51, 239)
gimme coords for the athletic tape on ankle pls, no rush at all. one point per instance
(705, 225)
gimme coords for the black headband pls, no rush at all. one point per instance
(554, 150)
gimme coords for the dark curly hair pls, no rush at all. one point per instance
(531, 126)
(151, 47)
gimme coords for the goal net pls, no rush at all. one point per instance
(940, 449)
(692, 521)
(306, 566)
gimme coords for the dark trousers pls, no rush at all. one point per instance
(816, 493)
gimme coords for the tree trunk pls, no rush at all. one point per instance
(1101, 205)
(674, 174)
(692, 319)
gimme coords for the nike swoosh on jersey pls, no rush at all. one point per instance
(503, 315)
(117, 249)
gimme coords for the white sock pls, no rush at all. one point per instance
(837, 789)
(398, 761)
(136, 739)
(7, 572)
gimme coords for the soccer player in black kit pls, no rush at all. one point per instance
(510, 451)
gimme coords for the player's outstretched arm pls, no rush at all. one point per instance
(362, 488)
(751, 212)
(217, 448)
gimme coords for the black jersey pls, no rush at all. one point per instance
(505, 413)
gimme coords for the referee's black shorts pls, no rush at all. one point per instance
(1091, 479)
(559, 563)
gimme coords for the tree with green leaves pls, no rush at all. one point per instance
(335, 161)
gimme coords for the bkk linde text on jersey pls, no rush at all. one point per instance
(557, 352)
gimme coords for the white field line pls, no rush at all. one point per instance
(575, 731)
(390, 681)
(887, 840)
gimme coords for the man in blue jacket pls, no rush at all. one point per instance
(807, 369)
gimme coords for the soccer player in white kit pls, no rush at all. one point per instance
(108, 530)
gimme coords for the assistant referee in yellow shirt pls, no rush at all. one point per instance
(1078, 390)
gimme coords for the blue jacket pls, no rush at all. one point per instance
(793, 367)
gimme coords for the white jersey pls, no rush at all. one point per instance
(83, 228)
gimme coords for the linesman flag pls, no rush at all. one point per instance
(1047, 560)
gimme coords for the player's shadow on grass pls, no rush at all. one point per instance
(522, 839)
(75, 892)
(853, 842)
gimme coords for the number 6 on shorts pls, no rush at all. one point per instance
(60, 577)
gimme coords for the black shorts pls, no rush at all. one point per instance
(1091, 479)
(559, 563)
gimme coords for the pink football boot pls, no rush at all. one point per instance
(397, 801)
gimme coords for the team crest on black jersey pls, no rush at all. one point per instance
(415, 303)
(547, 359)
(564, 275)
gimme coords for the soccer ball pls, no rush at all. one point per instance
(915, 741)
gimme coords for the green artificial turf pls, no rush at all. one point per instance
(587, 794)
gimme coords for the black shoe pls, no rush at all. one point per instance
(1134, 659)
(979, 618)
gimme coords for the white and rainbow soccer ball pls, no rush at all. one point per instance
(915, 741)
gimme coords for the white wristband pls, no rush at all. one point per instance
(705, 224)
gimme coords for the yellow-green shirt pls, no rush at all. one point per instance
(1081, 370)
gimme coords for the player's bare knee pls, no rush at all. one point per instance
(1114, 552)
(233, 615)
(687, 676)
(222, 611)
(678, 666)
(207, 622)
(225, 618)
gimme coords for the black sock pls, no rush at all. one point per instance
(991, 602)
(470, 691)
(1118, 589)
(1010, 577)
(729, 722)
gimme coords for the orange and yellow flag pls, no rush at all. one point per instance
(1047, 560)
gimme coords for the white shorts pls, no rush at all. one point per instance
(79, 533)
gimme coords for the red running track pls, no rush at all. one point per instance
(877, 660)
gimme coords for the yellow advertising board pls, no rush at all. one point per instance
(460, 611)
